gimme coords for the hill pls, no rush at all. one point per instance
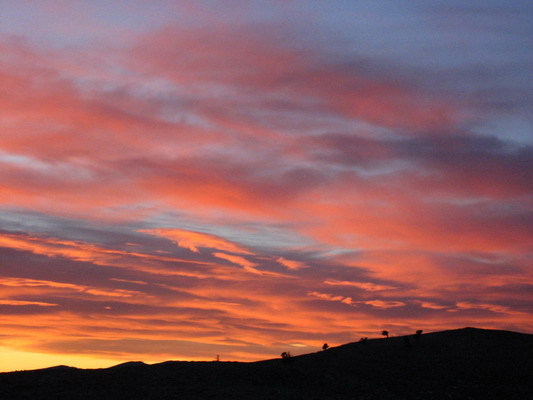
(457, 364)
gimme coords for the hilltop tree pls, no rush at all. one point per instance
(286, 357)
(325, 346)
(385, 333)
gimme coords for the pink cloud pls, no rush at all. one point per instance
(466, 305)
(240, 58)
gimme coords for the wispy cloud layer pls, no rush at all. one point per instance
(203, 181)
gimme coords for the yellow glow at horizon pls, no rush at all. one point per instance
(13, 360)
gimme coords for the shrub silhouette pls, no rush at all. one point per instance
(385, 333)
(286, 357)
(363, 339)
(325, 346)
(418, 334)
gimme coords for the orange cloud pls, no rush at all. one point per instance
(330, 297)
(434, 306)
(19, 282)
(248, 265)
(369, 286)
(26, 303)
(385, 304)
(291, 264)
(193, 240)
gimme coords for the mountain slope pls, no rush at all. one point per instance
(458, 364)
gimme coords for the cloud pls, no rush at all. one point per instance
(79, 251)
(19, 282)
(466, 305)
(193, 240)
(379, 304)
(25, 303)
(330, 297)
(368, 286)
(456, 164)
(244, 58)
(385, 304)
(248, 265)
(431, 305)
(291, 264)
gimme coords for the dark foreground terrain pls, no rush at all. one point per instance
(459, 364)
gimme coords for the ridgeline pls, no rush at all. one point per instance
(465, 364)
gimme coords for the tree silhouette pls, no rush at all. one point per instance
(286, 357)
(325, 346)
(385, 333)
(418, 334)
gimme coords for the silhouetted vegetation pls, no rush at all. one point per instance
(385, 333)
(286, 357)
(363, 339)
(418, 334)
(325, 346)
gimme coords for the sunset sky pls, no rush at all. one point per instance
(181, 179)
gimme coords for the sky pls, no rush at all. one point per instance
(186, 179)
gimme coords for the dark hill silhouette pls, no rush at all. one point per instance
(457, 364)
